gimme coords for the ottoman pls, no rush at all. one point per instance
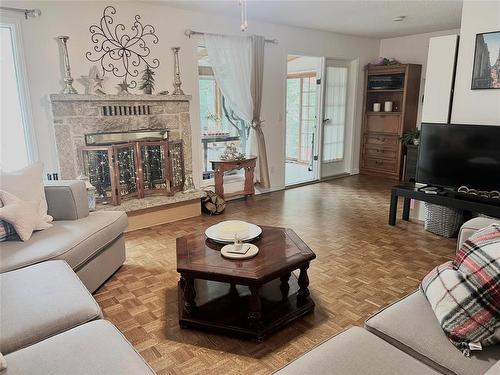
(40, 301)
(96, 348)
(355, 352)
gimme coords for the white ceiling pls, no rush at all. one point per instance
(356, 17)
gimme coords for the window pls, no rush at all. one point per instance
(301, 116)
(335, 110)
(16, 151)
(220, 126)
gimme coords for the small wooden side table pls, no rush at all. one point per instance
(221, 166)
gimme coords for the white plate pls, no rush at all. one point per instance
(253, 251)
(212, 233)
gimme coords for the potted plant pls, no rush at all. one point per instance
(148, 81)
(411, 138)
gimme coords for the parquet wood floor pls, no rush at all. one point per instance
(362, 264)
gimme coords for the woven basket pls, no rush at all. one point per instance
(442, 221)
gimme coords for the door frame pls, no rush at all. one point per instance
(316, 159)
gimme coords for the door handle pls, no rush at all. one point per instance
(325, 120)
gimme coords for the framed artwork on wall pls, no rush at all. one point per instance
(486, 68)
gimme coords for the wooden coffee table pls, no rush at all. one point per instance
(250, 298)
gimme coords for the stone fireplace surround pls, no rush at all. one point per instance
(76, 115)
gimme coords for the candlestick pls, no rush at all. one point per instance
(177, 73)
(68, 80)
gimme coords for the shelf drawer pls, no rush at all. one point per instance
(381, 140)
(383, 123)
(375, 151)
(381, 164)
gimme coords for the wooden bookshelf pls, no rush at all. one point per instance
(381, 151)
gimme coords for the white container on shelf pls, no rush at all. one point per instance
(388, 107)
(376, 107)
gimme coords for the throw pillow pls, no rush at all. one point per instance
(23, 215)
(3, 362)
(27, 184)
(7, 231)
(465, 293)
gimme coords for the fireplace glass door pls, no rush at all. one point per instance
(97, 166)
(155, 173)
(125, 168)
(176, 166)
(135, 169)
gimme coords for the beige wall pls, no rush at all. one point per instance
(73, 18)
(475, 106)
(412, 49)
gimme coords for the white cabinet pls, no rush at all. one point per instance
(439, 79)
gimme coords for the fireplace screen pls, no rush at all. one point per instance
(134, 169)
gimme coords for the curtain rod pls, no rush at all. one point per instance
(189, 33)
(27, 12)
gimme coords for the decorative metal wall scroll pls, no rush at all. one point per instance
(118, 52)
(68, 80)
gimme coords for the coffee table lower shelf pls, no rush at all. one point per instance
(224, 308)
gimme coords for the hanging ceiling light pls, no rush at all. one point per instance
(244, 23)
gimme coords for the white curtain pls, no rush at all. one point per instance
(231, 61)
(238, 66)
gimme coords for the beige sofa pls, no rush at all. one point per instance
(403, 338)
(91, 243)
(49, 321)
(51, 324)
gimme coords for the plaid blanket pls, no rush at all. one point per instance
(7, 231)
(465, 293)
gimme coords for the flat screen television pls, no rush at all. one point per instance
(453, 155)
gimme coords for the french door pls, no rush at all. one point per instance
(302, 103)
(333, 139)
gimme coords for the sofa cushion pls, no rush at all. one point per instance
(67, 199)
(355, 352)
(93, 348)
(41, 301)
(75, 241)
(495, 370)
(410, 325)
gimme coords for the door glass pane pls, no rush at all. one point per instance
(292, 118)
(13, 138)
(308, 118)
(335, 108)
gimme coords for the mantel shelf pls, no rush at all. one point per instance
(118, 98)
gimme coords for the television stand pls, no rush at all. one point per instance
(409, 191)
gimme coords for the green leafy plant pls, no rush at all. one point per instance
(411, 138)
(147, 81)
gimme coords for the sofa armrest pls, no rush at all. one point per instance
(472, 226)
(67, 200)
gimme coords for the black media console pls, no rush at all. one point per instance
(451, 199)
